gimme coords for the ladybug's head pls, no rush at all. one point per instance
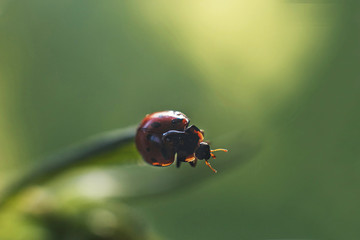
(203, 152)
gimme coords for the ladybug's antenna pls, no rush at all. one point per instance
(219, 149)
(208, 164)
(216, 150)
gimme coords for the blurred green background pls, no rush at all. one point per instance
(275, 82)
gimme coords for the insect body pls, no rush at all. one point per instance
(164, 136)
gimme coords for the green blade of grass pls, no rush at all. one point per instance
(99, 150)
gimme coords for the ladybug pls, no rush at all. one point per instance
(163, 137)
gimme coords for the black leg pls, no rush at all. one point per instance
(179, 159)
(178, 163)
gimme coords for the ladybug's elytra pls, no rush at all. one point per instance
(164, 136)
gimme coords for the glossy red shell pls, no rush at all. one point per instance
(149, 136)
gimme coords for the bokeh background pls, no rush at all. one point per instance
(275, 82)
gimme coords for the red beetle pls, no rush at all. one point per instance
(164, 136)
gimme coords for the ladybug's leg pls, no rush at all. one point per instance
(208, 164)
(193, 163)
(191, 158)
(178, 163)
(179, 159)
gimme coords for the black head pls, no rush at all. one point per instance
(203, 151)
